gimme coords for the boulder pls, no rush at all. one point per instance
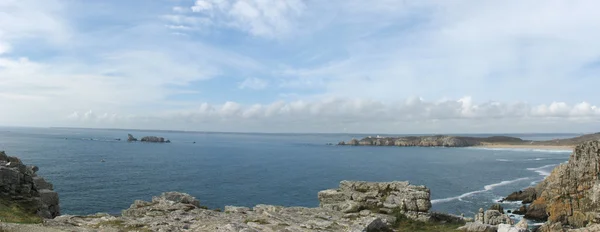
(497, 207)
(526, 196)
(477, 227)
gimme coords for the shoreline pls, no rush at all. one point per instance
(527, 146)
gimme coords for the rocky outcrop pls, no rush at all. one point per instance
(462, 141)
(356, 206)
(379, 197)
(525, 196)
(571, 194)
(175, 211)
(20, 184)
(154, 139)
(149, 139)
(130, 138)
(419, 141)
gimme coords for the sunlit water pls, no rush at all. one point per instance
(248, 169)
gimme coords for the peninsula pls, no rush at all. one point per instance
(466, 141)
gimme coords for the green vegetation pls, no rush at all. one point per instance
(404, 224)
(18, 213)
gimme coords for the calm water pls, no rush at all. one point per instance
(248, 169)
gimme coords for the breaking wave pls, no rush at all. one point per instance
(485, 189)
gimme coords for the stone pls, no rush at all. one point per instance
(236, 209)
(130, 138)
(477, 227)
(19, 182)
(526, 196)
(494, 217)
(497, 207)
(571, 192)
(509, 228)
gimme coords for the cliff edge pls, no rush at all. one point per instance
(23, 190)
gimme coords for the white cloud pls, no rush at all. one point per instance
(450, 116)
(253, 83)
(257, 17)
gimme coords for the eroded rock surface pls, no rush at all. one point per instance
(381, 197)
(571, 194)
(20, 184)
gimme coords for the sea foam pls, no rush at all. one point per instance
(485, 189)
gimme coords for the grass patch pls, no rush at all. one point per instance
(404, 224)
(18, 213)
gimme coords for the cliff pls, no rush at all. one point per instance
(571, 194)
(463, 141)
(22, 191)
(430, 141)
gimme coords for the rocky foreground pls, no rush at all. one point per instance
(462, 141)
(354, 206)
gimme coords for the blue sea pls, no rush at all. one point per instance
(247, 169)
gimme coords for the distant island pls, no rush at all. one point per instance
(466, 141)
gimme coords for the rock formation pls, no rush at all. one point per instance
(426, 141)
(20, 184)
(355, 206)
(130, 138)
(149, 139)
(379, 197)
(461, 141)
(154, 139)
(570, 196)
(525, 196)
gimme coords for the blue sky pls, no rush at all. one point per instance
(393, 66)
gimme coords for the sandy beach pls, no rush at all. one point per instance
(525, 146)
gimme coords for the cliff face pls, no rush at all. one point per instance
(571, 194)
(417, 141)
(21, 185)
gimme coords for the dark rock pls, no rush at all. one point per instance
(130, 138)
(20, 183)
(521, 211)
(537, 212)
(497, 207)
(526, 196)
(153, 139)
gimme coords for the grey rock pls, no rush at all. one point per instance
(477, 227)
(20, 183)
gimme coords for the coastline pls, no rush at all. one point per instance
(527, 146)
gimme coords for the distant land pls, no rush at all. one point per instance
(466, 141)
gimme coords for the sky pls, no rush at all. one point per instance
(340, 66)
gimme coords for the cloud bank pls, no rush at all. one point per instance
(302, 66)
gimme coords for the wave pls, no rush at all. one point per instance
(504, 160)
(485, 189)
(543, 170)
(521, 149)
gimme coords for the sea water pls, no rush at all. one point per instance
(94, 172)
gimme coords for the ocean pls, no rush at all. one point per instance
(246, 169)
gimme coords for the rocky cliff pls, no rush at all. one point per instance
(571, 194)
(21, 185)
(430, 141)
(462, 141)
